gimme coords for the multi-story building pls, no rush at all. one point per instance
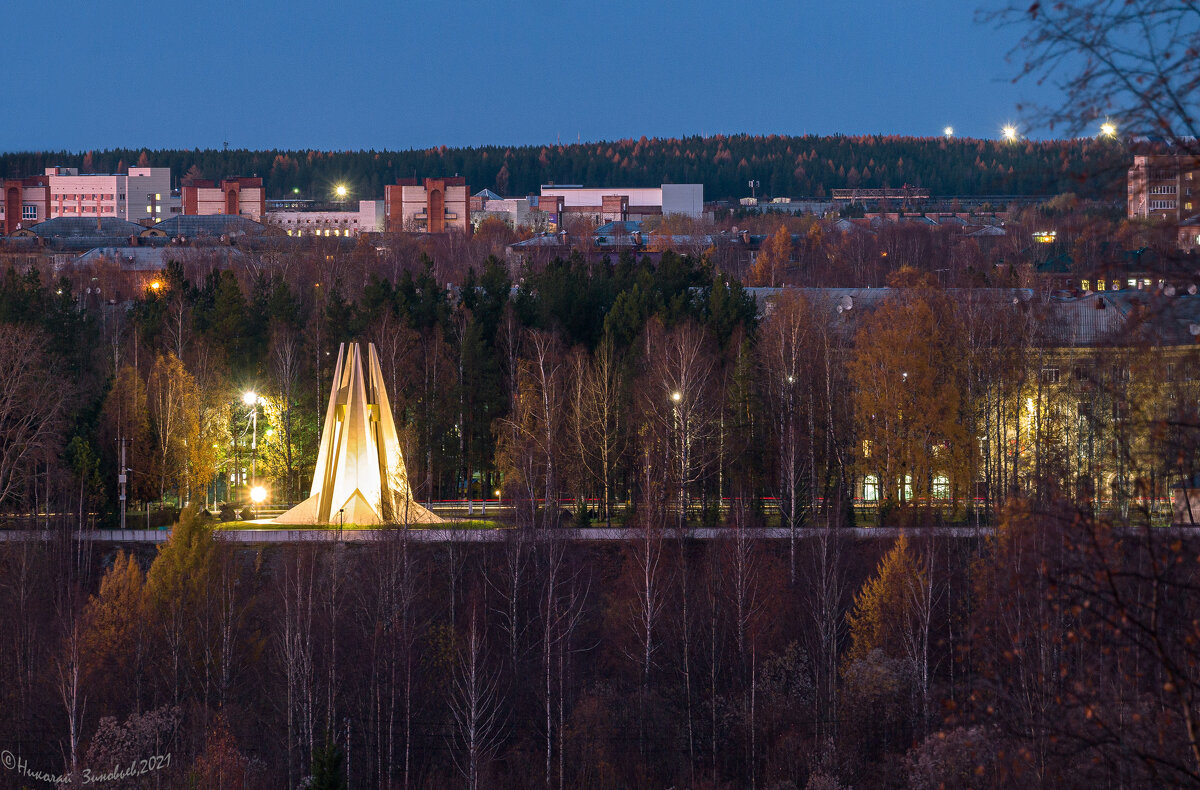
(1164, 187)
(435, 205)
(317, 222)
(142, 195)
(23, 202)
(242, 197)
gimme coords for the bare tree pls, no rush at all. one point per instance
(286, 360)
(1133, 60)
(475, 705)
(595, 417)
(32, 402)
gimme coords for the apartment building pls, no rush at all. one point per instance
(1164, 187)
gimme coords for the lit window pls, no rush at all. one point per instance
(866, 448)
(907, 487)
(941, 487)
(1086, 285)
(871, 488)
(1099, 285)
(1132, 283)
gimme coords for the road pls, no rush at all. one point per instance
(589, 535)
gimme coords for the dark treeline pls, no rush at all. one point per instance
(808, 165)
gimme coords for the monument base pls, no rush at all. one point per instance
(356, 511)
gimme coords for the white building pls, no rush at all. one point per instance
(368, 219)
(618, 204)
(143, 194)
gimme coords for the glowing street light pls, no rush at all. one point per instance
(948, 131)
(341, 191)
(677, 396)
(1009, 132)
(1108, 129)
(156, 285)
(258, 494)
(249, 397)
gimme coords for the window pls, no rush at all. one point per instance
(1099, 285)
(908, 488)
(1081, 373)
(1049, 375)
(866, 448)
(28, 212)
(1163, 189)
(1162, 205)
(871, 488)
(1170, 371)
(1086, 285)
(941, 487)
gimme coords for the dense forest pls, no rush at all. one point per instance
(784, 166)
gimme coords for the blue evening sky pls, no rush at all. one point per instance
(405, 74)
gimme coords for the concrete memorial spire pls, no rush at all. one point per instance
(360, 476)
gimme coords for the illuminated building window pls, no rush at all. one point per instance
(871, 488)
(941, 487)
(1086, 285)
(1099, 285)
(866, 448)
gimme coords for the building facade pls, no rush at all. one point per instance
(142, 195)
(297, 222)
(436, 205)
(1163, 187)
(243, 197)
(620, 204)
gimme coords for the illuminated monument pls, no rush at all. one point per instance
(360, 476)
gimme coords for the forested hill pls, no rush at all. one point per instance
(784, 166)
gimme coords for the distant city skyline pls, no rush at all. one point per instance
(361, 75)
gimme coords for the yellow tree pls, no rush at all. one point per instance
(772, 257)
(906, 373)
(893, 611)
(174, 415)
(114, 638)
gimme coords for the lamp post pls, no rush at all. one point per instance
(676, 399)
(251, 399)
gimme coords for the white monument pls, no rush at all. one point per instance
(360, 476)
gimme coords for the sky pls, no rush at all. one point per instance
(403, 74)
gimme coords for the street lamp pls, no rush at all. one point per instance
(1108, 129)
(1010, 132)
(251, 399)
(948, 131)
(257, 495)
